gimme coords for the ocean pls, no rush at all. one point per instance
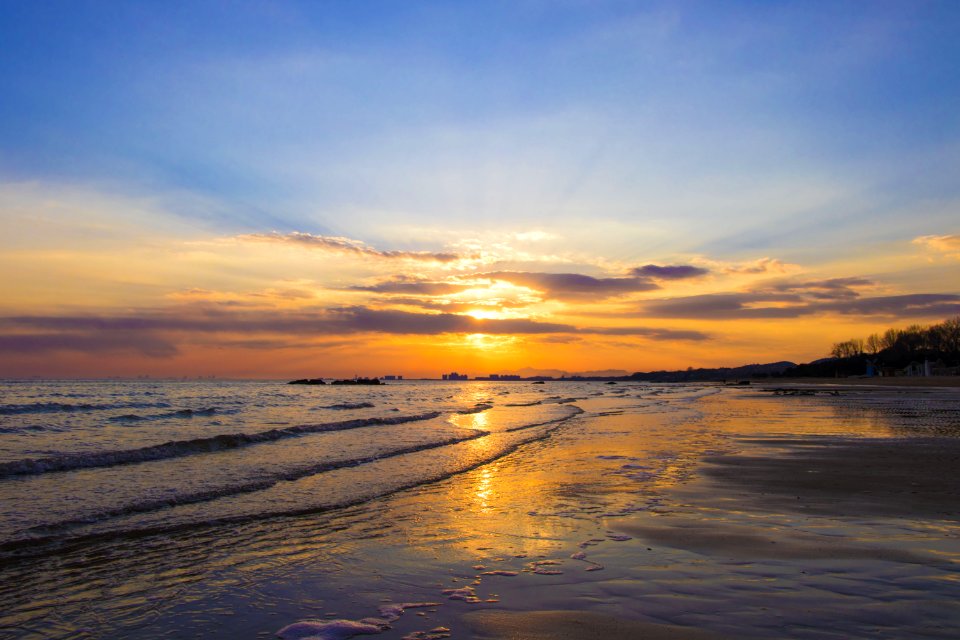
(234, 509)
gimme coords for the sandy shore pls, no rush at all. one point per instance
(821, 517)
(902, 480)
(570, 625)
(901, 381)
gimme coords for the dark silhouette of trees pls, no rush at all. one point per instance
(939, 341)
(894, 348)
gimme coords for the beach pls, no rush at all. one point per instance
(632, 511)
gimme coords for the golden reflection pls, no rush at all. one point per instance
(479, 421)
(483, 488)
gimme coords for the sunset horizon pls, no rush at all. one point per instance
(310, 194)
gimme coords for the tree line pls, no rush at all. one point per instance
(938, 340)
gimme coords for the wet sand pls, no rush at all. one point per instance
(792, 532)
(568, 625)
(898, 477)
(835, 477)
(896, 381)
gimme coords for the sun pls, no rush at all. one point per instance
(485, 314)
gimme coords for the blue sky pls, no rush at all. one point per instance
(292, 115)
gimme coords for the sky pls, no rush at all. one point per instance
(286, 189)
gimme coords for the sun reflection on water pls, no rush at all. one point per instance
(484, 488)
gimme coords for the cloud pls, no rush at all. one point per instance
(752, 305)
(761, 265)
(725, 306)
(831, 289)
(414, 286)
(363, 319)
(572, 286)
(669, 272)
(94, 342)
(442, 304)
(948, 245)
(345, 245)
(656, 334)
(154, 332)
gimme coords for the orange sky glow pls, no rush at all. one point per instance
(283, 190)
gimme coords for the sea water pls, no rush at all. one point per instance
(149, 509)
(141, 474)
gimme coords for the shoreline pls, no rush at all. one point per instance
(942, 382)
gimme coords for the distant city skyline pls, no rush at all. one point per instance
(290, 189)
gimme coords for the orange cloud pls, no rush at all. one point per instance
(948, 245)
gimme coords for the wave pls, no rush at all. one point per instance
(348, 405)
(574, 411)
(258, 484)
(51, 540)
(62, 407)
(524, 404)
(33, 428)
(181, 448)
(179, 413)
(478, 408)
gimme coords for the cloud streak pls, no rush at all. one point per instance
(745, 306)
(340, 244)
(669, 272)
(413, 286)
(573, 286)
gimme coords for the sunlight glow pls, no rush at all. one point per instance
(486, 314)
(486, 342)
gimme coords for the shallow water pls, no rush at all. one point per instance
(329, 523)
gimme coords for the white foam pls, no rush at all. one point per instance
(326, 630)
(467, 594)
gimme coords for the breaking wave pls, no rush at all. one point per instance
(180, 448)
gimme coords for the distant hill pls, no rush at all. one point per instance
(719, 374)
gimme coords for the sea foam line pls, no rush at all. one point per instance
(181, 448)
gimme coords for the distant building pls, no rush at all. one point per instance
(500, 377)
(392, 378)
(454, 376)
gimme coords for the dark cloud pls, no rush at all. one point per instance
(832, 289)
(409, 286)
(656, 334)
(154, 333)
(572, 286)
(362, 319)
(911, 305)
(346, 245)
(669, 272)
(110, 342)
(727, 306)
